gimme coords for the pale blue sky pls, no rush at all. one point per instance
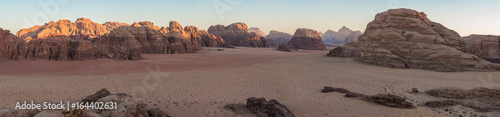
(464, 16)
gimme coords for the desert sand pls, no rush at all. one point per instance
(200, 84)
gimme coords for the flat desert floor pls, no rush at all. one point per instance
(200, 84)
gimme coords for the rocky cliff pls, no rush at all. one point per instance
(484, 46)
(307, 39)
(59, 48)
(278, 37)
(237, 34)
(405, 38)
(81, 29)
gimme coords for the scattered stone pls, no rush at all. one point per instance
(328, 89)
(415, 90)
(480, 99)
(484, 46)
(271, 108)
(238, 109)
(354, 95)
(237, 34)
(391, 101)
(99, 94)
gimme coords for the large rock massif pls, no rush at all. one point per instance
(53, 48)
(307, 39)
(143, 39)
(237, 34)
(484, 46)
(278, 37)
(405, 38)
(81, 29)
(124, 42)
(343, 36)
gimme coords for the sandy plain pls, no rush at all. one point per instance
(200, 84)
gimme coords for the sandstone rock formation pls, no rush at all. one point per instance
(405, 38)
(278, 37)
(143, 39)
(382, 99)
(480, 99)
(307, 39)
(343, 36)
(271, 108)
(237, 34)
(81, 29)
(257, 30)
(484, 46)
(287, 48)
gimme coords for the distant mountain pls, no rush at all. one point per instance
(257, 30)
(279, 37)
(343, 36)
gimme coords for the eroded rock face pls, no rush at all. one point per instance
(480, 99)
(237, 34)
(271, 108)
(278, 37)
(382, 99)
(405, 38)
(287, 48)
(81, 29)
(307, 39)
(484, 46)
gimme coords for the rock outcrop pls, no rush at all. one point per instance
(382, 99)
(307, 39)
(271, 108)
(287, 48)
(237, 34)
(278, 37)
(257, 30)
(405, 38)
(58, 48)
(79, 42)
(480, 99)
(343, 36)
(484, 46)
(81, 29)
(11, 47)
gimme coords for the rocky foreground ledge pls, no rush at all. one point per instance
(126, 107)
